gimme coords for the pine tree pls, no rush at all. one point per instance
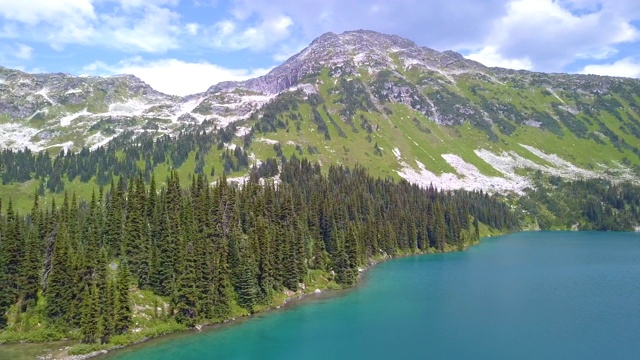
(106, 323)
(13, 253)
(113, 229)
(186, 297)
(122, 305)
(476, 228)
(5, 298)
(135, 245)
(59, 289)
(30, 271)
(90, 315)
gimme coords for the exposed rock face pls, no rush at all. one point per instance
(376, 70)
(22, 94)
(347, 54)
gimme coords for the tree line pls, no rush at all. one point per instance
(124, 156)
(209, 248)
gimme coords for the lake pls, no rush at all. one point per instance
(535, 295)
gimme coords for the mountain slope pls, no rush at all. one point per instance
(361, 88)
(379, 100)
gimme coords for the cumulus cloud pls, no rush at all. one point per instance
(234, 35)
(627, 67)
(23, 52)
(38, 11)
(441, 24)
(64, 21)
(173, 76)
(152, 29)
(15, 55)
(489, 56)
(129, 25)
(553, 34)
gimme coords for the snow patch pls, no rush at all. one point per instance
(224, 121)
(563, 167)
(186, 107)
(268, 141)
(66, 120)
(397, 153)
(468, 177)
(96, 140)
(242, 131)
(411, 61)
(17, 136)
(44, 94)
(129, 108)
(556, 95)
(67, 146)
(306, 88)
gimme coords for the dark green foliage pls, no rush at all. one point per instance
(319, 121)
(354, 97)
(59, 286)
(341, 132)
(588, 204)
(122, 304)
(389, 86)
(213, 249)
(5, 298)
(89, 320)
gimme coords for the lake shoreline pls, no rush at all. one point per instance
(292, 300)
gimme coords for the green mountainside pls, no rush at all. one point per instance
(365, 98)
(429, 117)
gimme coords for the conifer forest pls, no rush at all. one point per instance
(217, 249)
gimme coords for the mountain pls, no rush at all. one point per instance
(53, 111)
(363, 97)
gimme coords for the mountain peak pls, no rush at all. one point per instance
(348, 53)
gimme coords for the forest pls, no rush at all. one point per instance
(212, 251)
(584, 204)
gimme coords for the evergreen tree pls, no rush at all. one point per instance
(186, 297)
(59, 289)
(90, 315)
(122, 306)
(5, 297)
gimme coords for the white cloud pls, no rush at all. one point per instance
(128, 25)
(152, 29)
(33, 12)
(58, 22)
(15, 55)
(230, 35)
(23, 52)
(627, 67)
(173, 76)
(552, 34)
(441, 24)
(192, 28)
(128, 5)
(489, 56)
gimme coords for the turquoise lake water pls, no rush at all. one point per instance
(537, 295)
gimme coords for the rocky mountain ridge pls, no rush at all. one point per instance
(417, 113)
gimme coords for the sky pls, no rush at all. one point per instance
(182, 47)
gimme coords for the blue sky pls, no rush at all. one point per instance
(184, 46)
